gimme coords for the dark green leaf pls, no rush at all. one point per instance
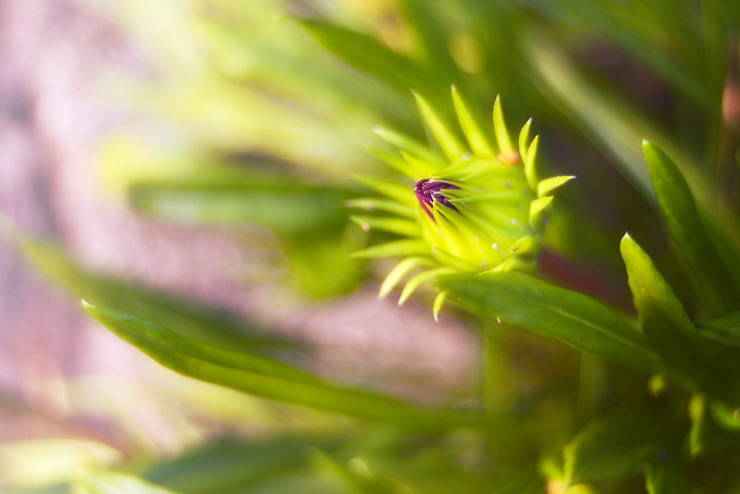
(612, 445)
(718, 283)
(229, 464)
(666, 477)
(274, 380)
(728, 326)
(526, 302)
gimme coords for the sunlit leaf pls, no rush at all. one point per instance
(522, 301)
(268, 378)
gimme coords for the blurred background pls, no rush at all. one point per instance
(189, 162)
(70, 79)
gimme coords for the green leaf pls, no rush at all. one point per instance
(389, 188)
(387, 224)
(407, 145)
(32, 463)
(214, 325)
(665, 325)
(366, 54)
(526, 302)
(718, 282)
(117, 483)
(666, 477)
(267, 378)
(397, 248)
(727, 328)
(548, 185)
(700, 363)
(447, 140)
(230, 464)
(399, 271)
(612, 445)
(381, 204)
(476, 138)
(499, 127)
(278, 204)
(524, 140)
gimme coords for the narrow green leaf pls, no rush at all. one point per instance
(117, 483)
(612, 444)
(366, 54)
(417, 280)
(447, 140)
(399, 163)
(142, 333)
(529, 163)
(227, 463)
(397, 248)
(381, 204)
(664, 322)
(523, 140)
(728, 326)
(399, 271)
(526, 302)
(548, 185)
(387, 224)
(407, 145)
(476, 138)
(666, 477)
(700, 363)
(389, 188)
(537, 209)
(281, 209)
(432, 35)
(718, 283)
(439, 301)
(270, 379)
(499, 127)
(214, 325)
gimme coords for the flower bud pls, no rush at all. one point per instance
(478, 207)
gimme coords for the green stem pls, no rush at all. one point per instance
(493, 366)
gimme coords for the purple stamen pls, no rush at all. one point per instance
(427, 191)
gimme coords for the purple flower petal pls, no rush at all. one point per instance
(427, 191)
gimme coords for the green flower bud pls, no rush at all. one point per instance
(478, 208)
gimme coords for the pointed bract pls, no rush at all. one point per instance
(480, 209)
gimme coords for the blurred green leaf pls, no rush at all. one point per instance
(666, 477)
(727, 328)
(612, 444)
(523, 301)
(717, 281)
(366, 54)
(605, 118)
(117, 483)
(663, 35)
(40, 463)
(228, 465)
(279, 203)
(271, 379)
(205, 323)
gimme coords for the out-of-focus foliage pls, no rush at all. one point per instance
(260, 112)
